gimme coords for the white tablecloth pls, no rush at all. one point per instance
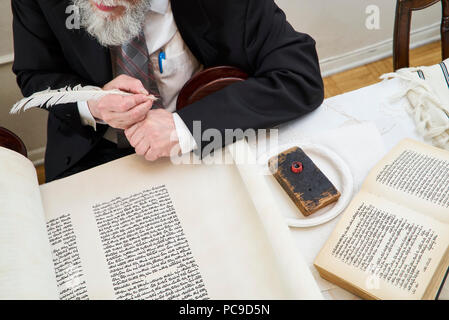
(370, 107)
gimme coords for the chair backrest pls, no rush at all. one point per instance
(207, 82)
(11, 141)
(401, 38)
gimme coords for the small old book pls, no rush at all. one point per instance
(303, 181)
(132, 229)
(392, 241)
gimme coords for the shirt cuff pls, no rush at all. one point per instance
(86, 117)
(186, 141)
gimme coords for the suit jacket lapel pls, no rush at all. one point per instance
(91, 60)
(193, 24)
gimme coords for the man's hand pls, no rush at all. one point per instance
(118, 111)
(155, 137)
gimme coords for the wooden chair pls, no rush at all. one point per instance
(207, 82)
(11, 141)
(401, 38)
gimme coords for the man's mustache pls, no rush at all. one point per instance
(115, 3)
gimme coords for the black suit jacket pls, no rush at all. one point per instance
(284, 83)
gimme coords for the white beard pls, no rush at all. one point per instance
(117, 31)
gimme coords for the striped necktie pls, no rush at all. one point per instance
(133, 60)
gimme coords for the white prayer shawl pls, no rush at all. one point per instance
(427, 90)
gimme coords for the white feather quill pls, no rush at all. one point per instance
(49, 98)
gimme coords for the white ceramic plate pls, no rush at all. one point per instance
(331, 165)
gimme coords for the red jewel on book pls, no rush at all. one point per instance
(297, 167)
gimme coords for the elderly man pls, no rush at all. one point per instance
(154, 47)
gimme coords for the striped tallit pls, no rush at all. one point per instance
(427, 90)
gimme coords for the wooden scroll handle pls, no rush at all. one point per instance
(11, 141)
(207, 82)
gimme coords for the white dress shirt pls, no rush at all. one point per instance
(161, 34)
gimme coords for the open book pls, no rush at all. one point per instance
(131, 229)
(392, 242)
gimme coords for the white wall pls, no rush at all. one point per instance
(343, 41)
(338, 26)
(5, 28)
(30, 126)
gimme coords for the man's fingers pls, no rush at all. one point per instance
(130, 84)
(139, 112)
(129, 102)
(131, 130)
(152, 154)
(142, 147)
(114, 103)
(121, 104)
(136, 137)
(134, 115)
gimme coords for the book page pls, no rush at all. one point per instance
(26, 268)
(384, 250)
(290, 263)
(132, 229)
(414, 175)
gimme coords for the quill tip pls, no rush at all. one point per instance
(14, 110)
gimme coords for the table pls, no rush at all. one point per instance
(370, 104)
